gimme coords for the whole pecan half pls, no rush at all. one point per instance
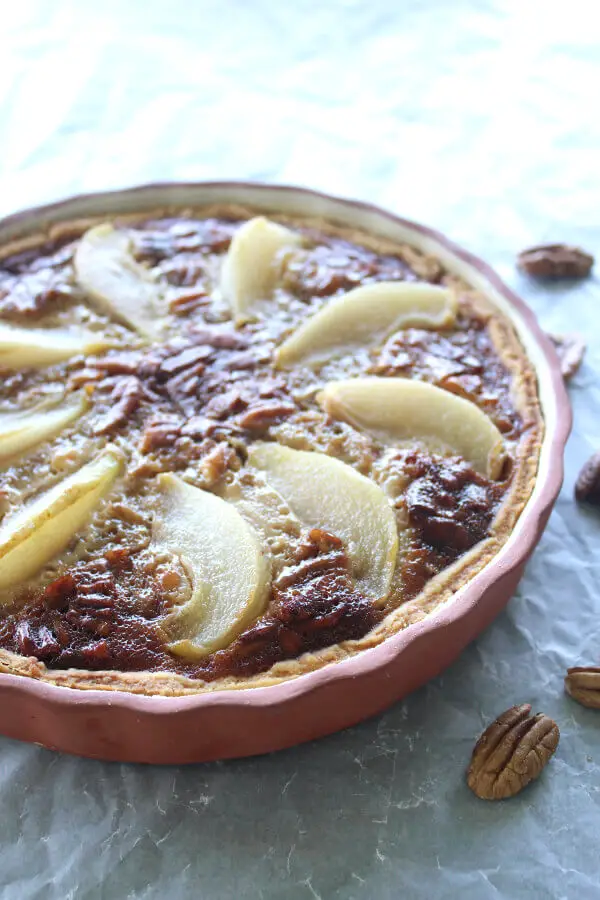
(570, 349)
(582, 683)
(587, 486)
(554, 261)
(511, 752)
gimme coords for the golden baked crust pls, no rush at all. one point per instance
(438, 590)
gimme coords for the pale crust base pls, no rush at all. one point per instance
(437, 592)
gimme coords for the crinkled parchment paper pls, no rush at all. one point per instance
(480, 118)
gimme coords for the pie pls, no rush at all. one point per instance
(237, 448)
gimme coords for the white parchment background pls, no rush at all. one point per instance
(480, 118)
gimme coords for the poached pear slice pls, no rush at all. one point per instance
(365, 316)
(23, 430)
(398, 409)
(21, 348)
(118, 285)
(33, 536)
(228, 570)
(253, 264)
(326, 493)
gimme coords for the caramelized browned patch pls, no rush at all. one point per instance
(450, 508)
(100, 615)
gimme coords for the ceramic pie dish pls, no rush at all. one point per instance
(270, 460)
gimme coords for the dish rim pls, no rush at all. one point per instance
(557, 421)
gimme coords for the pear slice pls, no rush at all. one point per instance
(365, 316)
(397, 409)
(37, 347)
(229, 573)
(33, 536)
(253, 264)
(23, 430)
(326, 493)
(120, 287)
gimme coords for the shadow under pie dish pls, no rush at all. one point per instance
(255, 442)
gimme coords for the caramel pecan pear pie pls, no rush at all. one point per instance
(235, 449)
